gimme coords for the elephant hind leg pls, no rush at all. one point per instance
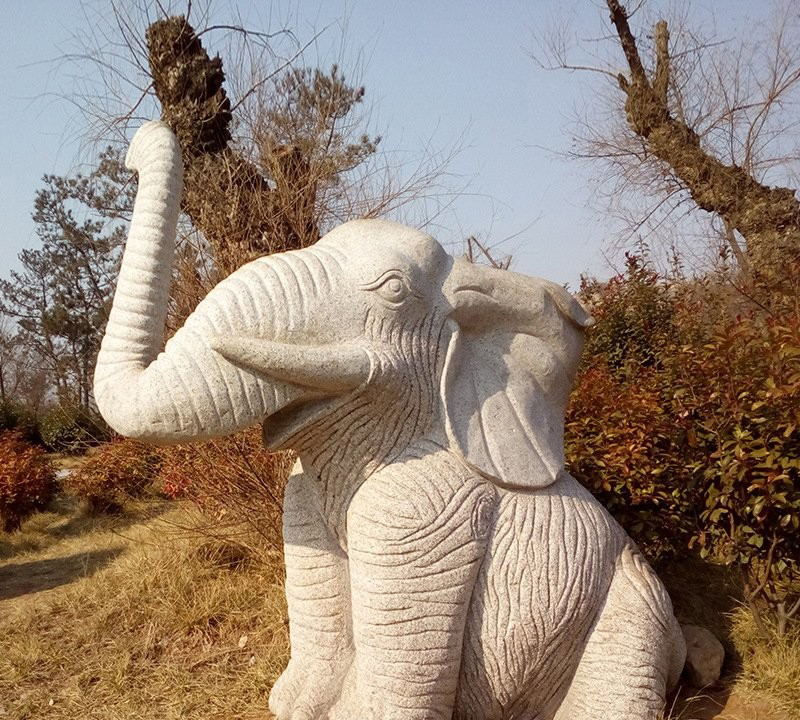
(633, 655)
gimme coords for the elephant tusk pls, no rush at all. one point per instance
(327, 368)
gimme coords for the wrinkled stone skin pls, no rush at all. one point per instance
(440, 562)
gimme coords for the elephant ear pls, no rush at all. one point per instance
(511, 361)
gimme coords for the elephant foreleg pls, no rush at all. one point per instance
(415, 544)
(317, 592)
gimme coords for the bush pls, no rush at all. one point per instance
(19, 418)
(234, 480)
(622, 439)
(624, 445)
(634, 317)
(684, 422)
(119, 471)
(741, 390)
(27, 480)
(71, 429)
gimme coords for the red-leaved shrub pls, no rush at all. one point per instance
(234, 479)
(27, 480)
(685, 422)
(119, 471)
(623, 443)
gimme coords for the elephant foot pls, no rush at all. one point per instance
(347, 705)
(307, 689)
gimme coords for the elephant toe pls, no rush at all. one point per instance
(282, 695)
(306, 694)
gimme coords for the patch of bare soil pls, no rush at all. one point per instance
(722, 704)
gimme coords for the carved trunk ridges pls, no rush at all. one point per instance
(189, 391)
(372, 428)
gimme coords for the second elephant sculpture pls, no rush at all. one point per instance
(440, 561)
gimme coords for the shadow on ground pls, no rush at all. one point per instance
(687, 702)
(66, 518)
(706, 594)
(23, 578)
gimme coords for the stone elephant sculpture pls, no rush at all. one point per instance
(440, 561)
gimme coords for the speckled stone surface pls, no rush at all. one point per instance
(440, 561)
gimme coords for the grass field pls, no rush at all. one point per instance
(134, 617)
(131, 618)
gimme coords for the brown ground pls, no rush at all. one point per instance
(721, 704)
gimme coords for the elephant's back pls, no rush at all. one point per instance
(546, 573)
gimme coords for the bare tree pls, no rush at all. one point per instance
(480, 252)
(275, 152)
(227, 196)
(704, 124)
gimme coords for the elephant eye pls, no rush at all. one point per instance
(392, 286)
(393, 290)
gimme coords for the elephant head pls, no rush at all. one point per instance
(375, 327)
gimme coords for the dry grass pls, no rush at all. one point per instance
(162, 625)
(769, 668)
(64, 527)
(134, 617)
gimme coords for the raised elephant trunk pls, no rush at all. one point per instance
(135, 329)
(189, 391)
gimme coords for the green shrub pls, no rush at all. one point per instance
(27, 480)
(71, 429)
(624, 445)
(119, 471)
(17, 417)
(634, 317)
(742, 391)
(622, 439)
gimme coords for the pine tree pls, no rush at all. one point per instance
(60, 297)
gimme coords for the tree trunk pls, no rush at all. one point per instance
(226, 196)
(767, 217)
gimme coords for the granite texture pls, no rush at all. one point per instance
(440, 561)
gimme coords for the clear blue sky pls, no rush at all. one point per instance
(439, 72)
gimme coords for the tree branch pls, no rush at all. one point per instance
(619, 17)
(226, 196)
(768, 218)
(661, 80)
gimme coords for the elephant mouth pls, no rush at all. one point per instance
(323, 374)
(280, 428)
